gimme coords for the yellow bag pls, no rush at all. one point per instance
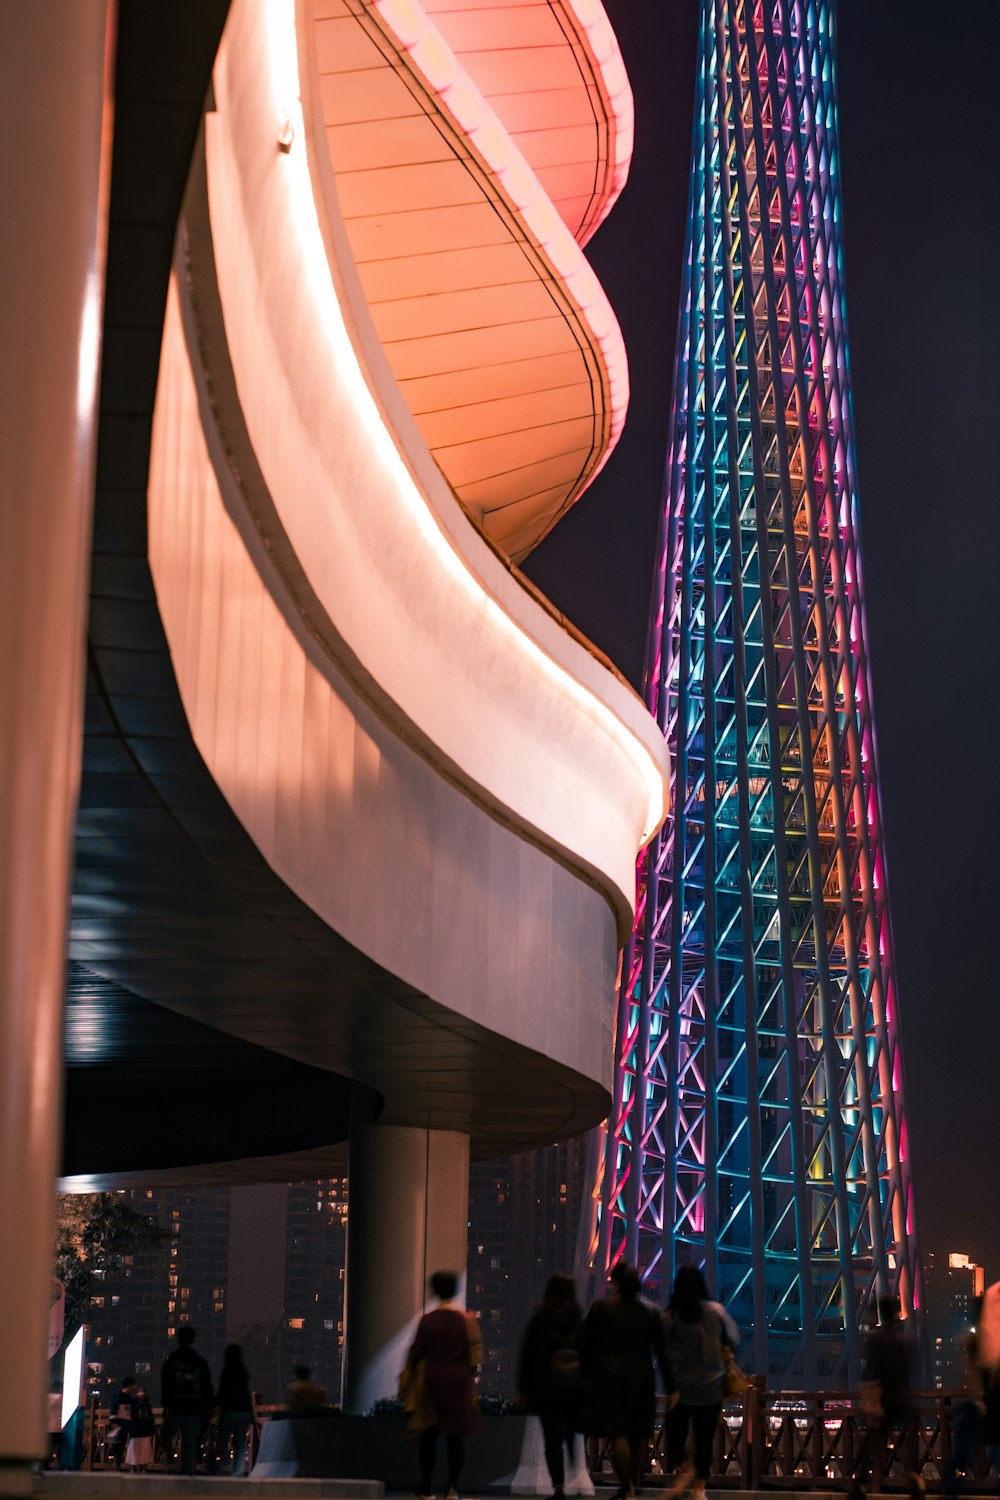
(416, 1398)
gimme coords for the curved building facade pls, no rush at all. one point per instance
(358, 810)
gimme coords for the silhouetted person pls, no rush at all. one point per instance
(142, 1430)
(696, 1332)
(235, 1410)
(442, 1363)
(621, 1338)
(303, 1396)
(186, 1398)
(888, 1362)
(118, 1426)
(549, 1374)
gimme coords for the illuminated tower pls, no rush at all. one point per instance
(758, 1124)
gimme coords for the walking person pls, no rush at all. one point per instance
(549, 1373)
(697, 1332)
(621, 1339)
(438, 1383)
(142, 1430)
(988, 1354)
(888, 1359)
(186, 1398)
(235, 1411)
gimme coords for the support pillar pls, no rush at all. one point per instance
(54, 167)
(409, 1214)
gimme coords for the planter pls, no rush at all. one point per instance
(377, 1448)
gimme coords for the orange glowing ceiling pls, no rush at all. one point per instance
(475, 147)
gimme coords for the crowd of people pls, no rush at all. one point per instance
(597, 1373)
(190, 1402)
(593, 1373)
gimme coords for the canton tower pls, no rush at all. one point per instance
(758, 1126)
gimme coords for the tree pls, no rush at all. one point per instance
(93, 1232)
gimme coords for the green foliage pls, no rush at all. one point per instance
(93, 1231)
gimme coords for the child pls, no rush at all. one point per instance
(139, 1454)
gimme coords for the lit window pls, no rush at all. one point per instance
(97, 1301)
(296, 1322)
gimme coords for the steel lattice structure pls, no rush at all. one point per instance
(758, 1123)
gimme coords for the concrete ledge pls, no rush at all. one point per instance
(89, 1483)
(379, 1448)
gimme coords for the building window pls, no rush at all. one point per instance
(296, 1322)
(142, 1367)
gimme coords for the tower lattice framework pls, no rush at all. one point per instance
(758, 1124)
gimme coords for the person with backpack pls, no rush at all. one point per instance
(186, 1398)
(699, 1336)
(549, 1374)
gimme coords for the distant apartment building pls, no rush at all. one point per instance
(309, 1329)
(134, 1316)
(290, 1270)
(952, 1284)
(265, 1268)
(523, 1216)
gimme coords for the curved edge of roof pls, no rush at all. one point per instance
(297, 323)
(590, 42)
(597, 35)
(441, 73)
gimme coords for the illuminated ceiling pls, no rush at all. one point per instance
(475, 149)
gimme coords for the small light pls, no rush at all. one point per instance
(286, 136)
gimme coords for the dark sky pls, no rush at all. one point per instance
(920, 182)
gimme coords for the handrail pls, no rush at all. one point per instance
(766, 1440)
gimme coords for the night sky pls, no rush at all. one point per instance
(920, 183)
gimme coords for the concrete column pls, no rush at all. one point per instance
(55, 127)
(409, 1215)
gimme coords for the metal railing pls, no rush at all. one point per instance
(766, 1440)
(812, 1440)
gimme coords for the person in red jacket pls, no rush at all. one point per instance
(448, 1346)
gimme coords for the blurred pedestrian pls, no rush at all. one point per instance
(621, 1339)
(118, 1422)
(438, 1382)
(235, 1411)
(303, 1397)
(885, 1397)
(186, 1398)
(697, 1333)
(549, 1373)
(142, 1430)
(989, 1366)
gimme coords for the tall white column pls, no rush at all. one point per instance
(54, 167)
(408, 1217)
